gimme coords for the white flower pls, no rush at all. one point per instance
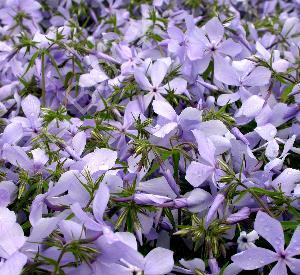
(246, 241)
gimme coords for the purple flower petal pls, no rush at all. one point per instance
(100, 202)
(214, 30)
(197, 173)
(224, 72)
(158, 261)
(270, 229)
(254, 258)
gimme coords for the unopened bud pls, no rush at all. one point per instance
(242, 214)
(214, 208)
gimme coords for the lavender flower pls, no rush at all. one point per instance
(135, 133)
(271, 230)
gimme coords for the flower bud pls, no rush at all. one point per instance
(180, 203)
(213, 266)
(242, 214)
(214, 208)
(149, 199)
(237, 133)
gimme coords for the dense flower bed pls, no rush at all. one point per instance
(153, 138)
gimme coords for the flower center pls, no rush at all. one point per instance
(244, 240)
(282, 255)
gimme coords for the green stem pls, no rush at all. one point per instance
(259, 200)
(56, 269)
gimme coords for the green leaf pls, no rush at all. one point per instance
(286, 92)
(69, 76)
(294, 212)
(280, 78)
(165, 154)
(169, 215)
(289, 225)
(176, 158)
(223, 269)
(31, 62)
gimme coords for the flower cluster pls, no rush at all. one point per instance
(149, 137)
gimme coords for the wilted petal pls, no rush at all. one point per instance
(252, 236)
(150, 199)
(288, 145)
(277, 162)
